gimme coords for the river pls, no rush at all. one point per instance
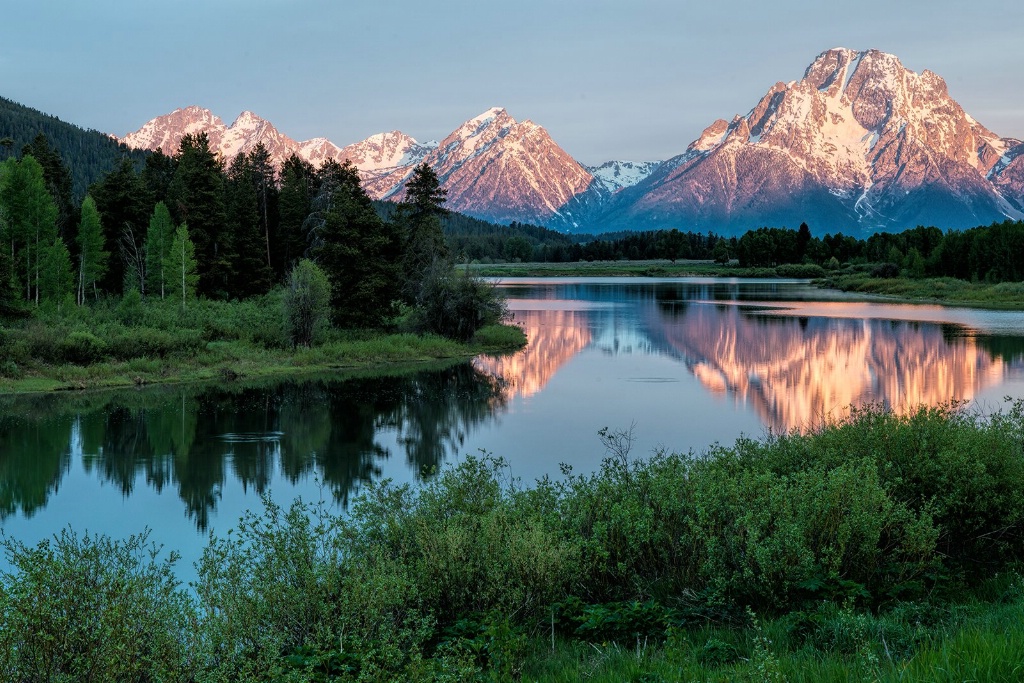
(681, 363)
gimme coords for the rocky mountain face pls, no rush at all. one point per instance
(493, 166)
(504, 170)
(860, 143)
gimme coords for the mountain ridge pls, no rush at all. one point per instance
(858, 144)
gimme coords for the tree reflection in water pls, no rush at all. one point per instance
(195, 439)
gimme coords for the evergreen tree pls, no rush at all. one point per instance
(31, 219)
(299, 185)
(92, 257)
(56, 277)
(159, 237)
(252, 265)
(58, 181)
(157, 176)
(121, 199)
(181, 267)
(357, 251)
(419, 217)
(8, 287)
(197, 198)
(265, 184)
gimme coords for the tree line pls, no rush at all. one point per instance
(190, 225)
(991, 253)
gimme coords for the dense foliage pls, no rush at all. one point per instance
(87, 154)
(860, 524)
(187, 226)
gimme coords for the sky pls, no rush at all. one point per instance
(636, 80)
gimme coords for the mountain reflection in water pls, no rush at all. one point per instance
(795, 371)
(690, 363)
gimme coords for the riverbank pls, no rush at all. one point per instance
(118, 345)
(880, 547)
(942, 290)
(651, 268)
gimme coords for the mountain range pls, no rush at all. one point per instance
(859, 144)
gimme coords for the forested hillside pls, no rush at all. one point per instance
(89, 154)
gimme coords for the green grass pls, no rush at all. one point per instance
(943, 290)
(112, 345)
(649, 268)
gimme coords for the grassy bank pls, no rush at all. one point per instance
(651, 268)
(128, 342)
(943, 290)
(881, 547)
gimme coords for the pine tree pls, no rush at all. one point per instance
(157, 176)
(121, 199)
(181, 267)
(159, 237)
(299, 186)
(92, 257)
(197, 198)
(265, 184)
(356, 249)
(251, 266)
(419, 217)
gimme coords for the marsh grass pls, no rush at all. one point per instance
(945, 290)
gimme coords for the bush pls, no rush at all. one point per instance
(885, 270)
(800, 270)
(271, 588)
(91, 609)
(82, 348)
(307, 303)
(457, 305)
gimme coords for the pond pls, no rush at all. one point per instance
(681, 363)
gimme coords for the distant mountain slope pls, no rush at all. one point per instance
(859, 143)
(503, 170)
(89, 154)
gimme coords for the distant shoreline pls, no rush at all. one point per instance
(943, 291)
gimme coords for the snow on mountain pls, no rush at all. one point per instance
(504, 170)
(377, 154)
(615, 175)
(165, 132)
(859, 142)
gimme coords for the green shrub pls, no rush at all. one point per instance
(307, 303)
(82, 348)
(91, 609)
(457, 305)
(800, 270)
(271, 587)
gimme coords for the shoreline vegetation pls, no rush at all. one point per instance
(878, 547)
(133, 343)
(858, 280)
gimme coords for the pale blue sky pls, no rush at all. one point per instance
(636, 79)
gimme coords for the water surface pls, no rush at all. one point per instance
(683, 363)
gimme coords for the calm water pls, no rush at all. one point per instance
(684, 363)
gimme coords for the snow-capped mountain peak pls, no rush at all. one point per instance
(859, 141)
